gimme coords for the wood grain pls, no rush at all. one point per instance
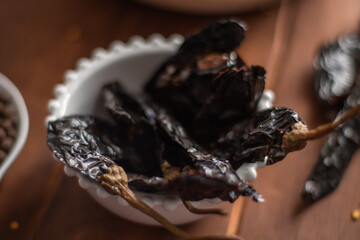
(285, 215)
(35, 52)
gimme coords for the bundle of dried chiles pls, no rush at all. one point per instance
(194, 133)
(337, 83)
(8, 124)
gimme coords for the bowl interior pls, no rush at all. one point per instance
(132, 69)
(23, 125)
(132, 66)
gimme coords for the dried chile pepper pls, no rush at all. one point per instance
(184, 83)
(84, 143)
(233, 89)
(204, 48)
(337, 84)
(92, 145)
(268, 137)
(335, 156)
(234, 97)
(219, 37)
(205, 175)
(209, 171)
(66, 139)
(142, 143)
(336, 153)
(258, 139)
(336, 67)
(116, 183)
(200, 174)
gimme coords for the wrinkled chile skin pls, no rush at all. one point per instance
(208, 99)
(336, 67)
(187, 100)
(257, 139)
(335, 154)
(183, 152)
(337, 83)
(142, 144)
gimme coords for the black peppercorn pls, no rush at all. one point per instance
(8, 124)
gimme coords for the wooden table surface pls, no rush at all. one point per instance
(37, 46)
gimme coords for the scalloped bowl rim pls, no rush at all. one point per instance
(87, 66)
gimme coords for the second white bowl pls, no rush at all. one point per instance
(23, 125)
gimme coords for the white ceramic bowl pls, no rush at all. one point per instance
(132, 64)
(23, 126)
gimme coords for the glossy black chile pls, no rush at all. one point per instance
(336, 67)
(182, 85)
(206, 168)
(337, 84)
(84, 143)
(257, 139)
(336, 153)
(199, 168)
(142, 144)
(234, 97)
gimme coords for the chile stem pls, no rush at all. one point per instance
(193, 209)
(116, 183)
(329, 127)
(296, 138)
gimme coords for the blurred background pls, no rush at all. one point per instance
(40, 40)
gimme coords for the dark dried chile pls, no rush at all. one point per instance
(144, 183)
(142, 144)
(336, 153)
(336, 67)
(258, 139)
(219, 37)
(206, 84)
(84, 143)
(338, 84)
(188, 74)
(234, 97)
(91, 145)
(218, 173)
(181, 152)
(183, 96)
(335, 156)
(116, 183)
